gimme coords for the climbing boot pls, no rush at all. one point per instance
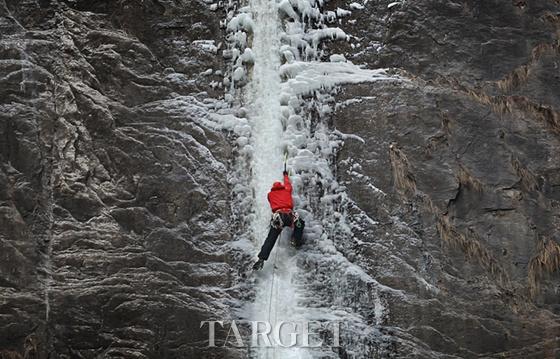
(258, 264)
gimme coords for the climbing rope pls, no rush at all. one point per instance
(270, 297)
(275, 313)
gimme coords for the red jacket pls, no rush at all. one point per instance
(280, 196)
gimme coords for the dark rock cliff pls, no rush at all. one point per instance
(467, 155)
(109, 187)
(114, 206)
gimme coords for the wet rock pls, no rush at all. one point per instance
(462, 156)
(110, 216)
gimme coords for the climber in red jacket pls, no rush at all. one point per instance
(280, 199)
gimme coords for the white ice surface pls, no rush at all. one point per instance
(285, 78)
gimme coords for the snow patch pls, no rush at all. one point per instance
(206, 45)
(337, 58)
(356, 6)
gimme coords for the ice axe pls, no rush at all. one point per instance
(286, 163)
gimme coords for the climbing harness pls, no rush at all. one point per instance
(281, 219)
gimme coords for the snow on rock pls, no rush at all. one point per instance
(331, 33)
(305, 77)
(337, 58)
(239, 74)
(239, 38)
(242, 21)
(206, 45)
(342, 12)
(356, 6)
(247, 56)
(286, 7)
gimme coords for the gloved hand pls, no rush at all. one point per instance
(285, 173)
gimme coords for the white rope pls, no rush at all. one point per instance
(272, 291)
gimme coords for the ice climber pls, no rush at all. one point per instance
(283, 215)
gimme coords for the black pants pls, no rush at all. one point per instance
(275, 230)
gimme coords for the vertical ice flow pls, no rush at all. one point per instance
(263, 97)
(274, 98)
(275, 300)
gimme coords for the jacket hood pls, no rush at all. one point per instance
(277, 185)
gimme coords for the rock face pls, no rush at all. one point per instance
(460, 168)
(113, 202)
(115, 210)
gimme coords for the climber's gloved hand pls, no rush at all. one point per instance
(285, 173)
